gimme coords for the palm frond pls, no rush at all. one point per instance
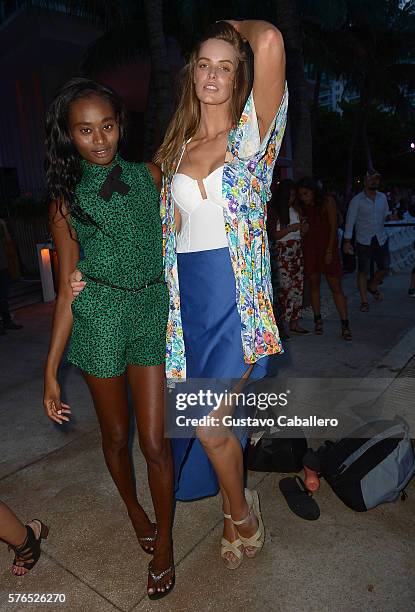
(328, 14)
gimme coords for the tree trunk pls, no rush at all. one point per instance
(315, 107)
(288, 21)
(366, 144)
(160, 69)
(359, 128)
(353, 142)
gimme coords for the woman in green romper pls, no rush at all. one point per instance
(110, 207)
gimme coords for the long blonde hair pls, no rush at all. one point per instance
(185, 121)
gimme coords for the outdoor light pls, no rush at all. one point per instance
(45, 267)
(412, 145)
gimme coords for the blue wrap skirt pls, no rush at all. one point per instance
(212, 338)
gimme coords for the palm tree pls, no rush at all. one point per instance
(289, 22)
(161, 78)
(369, 44)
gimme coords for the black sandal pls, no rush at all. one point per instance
(28, 553)
(299, 498)
(300, 332)
(149, 548)
(157, 577)
(364, 307)
(345, 332)
(318, 325)
(377, 296)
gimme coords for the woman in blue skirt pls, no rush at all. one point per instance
(217, 159)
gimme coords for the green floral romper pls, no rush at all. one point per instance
(120, 317)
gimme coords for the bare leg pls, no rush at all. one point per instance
(314, 281)
(226, 456)
(12, 530)
(377, 278)
(338, 296)
(111, 405)
(295, 326)
(362, 285)
(148, 391)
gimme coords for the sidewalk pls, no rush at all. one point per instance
(344, 561)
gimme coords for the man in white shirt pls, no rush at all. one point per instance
(367, 213)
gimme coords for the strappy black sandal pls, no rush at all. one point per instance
(377, 296)
(147, 542)
(318, 325)
(157, 577)
(28, 553)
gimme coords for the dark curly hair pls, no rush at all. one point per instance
(63, 162)
(281, 200)
(312, 185)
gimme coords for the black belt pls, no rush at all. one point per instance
(159, 280)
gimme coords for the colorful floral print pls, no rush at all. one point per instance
(287, 278)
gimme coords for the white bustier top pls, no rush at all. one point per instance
(202, 222)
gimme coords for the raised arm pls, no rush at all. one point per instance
(68, 256)
(267, 46)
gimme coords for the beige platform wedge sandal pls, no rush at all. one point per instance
(252, 545)
(235, 547)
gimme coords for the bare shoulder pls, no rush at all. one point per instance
(58, 213)
(155, 173)
(59, 220)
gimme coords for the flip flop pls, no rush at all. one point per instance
(364, 307)
(299, 499)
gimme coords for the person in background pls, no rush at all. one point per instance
(25, 540)
(285, 229)
(321, 253)
(367, 213)
(6, 318)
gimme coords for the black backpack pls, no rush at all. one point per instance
(369, 467)
(277, 454)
